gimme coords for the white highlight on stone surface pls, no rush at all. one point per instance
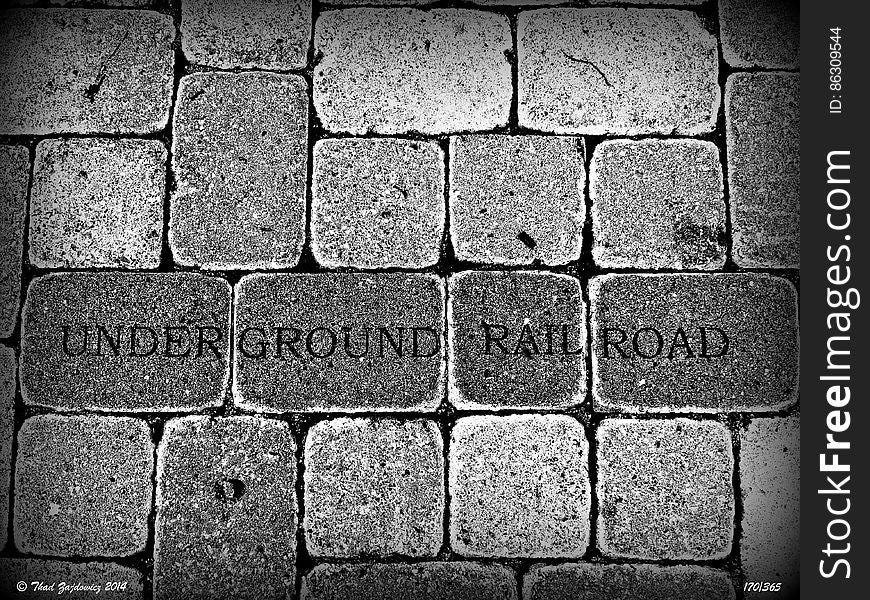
(254, 34)
(226, 509)
(374, 487)
(408, 70)
(97, 470)
(14, 174)
(517, 199)
(239, 154)
(85, 71)
(578, 73)
(657, 204)
(377, 203)
(97, 203)
(762, 131)
(665, 489)
(770, 484)
(519, 487)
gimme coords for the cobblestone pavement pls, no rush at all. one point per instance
(399, 299)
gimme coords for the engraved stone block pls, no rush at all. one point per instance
(125, 341)
(642, 2)
(665, 489)
(83, 485)
(239, 201)
(657, 204)
(760, 33)
(586, 581)
(374, 487)
(762, 126)
(256, 34)
(97, 203)
(528, 3)
(226, 509)
(89, 3)
(516, 340)
(770, 484)
(116, 581)
(517, 199)
(519, 487)
(378, 2)
(407, 70)
(14, 165)
(339, 341)
(693, 342)
(420, 581)
(616, 71)
(377, 203)
(85, 71)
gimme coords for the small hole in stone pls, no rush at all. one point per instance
(229, 490)
(527, 240)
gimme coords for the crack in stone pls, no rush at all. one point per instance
(92, 90)
(591, 64)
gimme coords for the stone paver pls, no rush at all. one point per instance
(585, 581)
(519, 487)
(420, 581)
(516, 340)
(226, 509)
(760, 33)
(97, 203)
(103, 578)
(664, 489)
(770, 483)
(374, 487)
(85, 71)
(7, 433)
(14, 165)
(377, 203)
(762, 125)
(144, 342)
(339, 341)
(83, 485)
(239, 201)
(256, 34)
(578, 74)
(693, 342)
(408, 70)
(89, 3)
(646, 2)
(657, 204)
(517, 199)
(342, 3)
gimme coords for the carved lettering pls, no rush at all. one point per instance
(682, 343)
